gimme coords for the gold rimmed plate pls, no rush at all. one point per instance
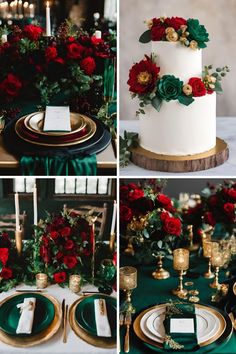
(44, 336)
(35, 122)
(96, 341)
(158, 345)
(32, 138)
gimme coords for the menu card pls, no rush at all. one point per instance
(57, 119)
(181, 325)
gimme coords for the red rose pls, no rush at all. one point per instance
(54, 235)
(232, 194)
(71, 39)
(197, 86)
(69, 245)
(60, 277)
(133, 186)
(50, 53)
(11, 85)
(4, 255)
(164, 201)
(88, 65)
(74, 51)
(96, 41)
(172, 226)
(175, 22)
(124, 192)
(125, 213)
(136, 194)
(229, 209)
(59, 61)
(143, 76)
(164, 215)
(32, 32)
(70, 261)
(66, 231)
(157, 30)
(209, 218)
(213, 200)
(6, 273)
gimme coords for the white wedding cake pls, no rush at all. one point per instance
(177, 102)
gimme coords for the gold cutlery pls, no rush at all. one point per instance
(128, 321)
(121, 323)
(65, 325)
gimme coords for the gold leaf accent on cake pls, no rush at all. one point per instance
(193, 45)
(144, 78)
(187, 89)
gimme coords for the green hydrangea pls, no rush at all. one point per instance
(197, 33)
(169, 88)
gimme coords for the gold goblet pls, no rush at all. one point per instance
(128, 282)
(207, 249)
(181, 264)
(217, 261)
(160, 273)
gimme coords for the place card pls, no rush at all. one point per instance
(181, 325)
(57, 119)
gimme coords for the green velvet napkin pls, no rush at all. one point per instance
(59, 165)
(178, 340)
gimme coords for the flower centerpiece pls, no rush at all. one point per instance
(63, 246)
(149, 221)
(63, 68)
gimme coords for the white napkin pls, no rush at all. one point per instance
(27, 316)
(102, 323)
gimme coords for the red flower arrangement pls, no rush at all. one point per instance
(6, 271)
(158, 28)
(198, 87)
(34, 66)
(62, 242)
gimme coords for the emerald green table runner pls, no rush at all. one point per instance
(150, 292)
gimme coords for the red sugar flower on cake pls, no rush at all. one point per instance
(198, 87)
(60, 277)
(157, 30)
(175, 22)
(32, 32)
(11, 85)
(143, 76)
(88, 65)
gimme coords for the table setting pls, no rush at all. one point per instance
(58, 98)
(177, 279)
(59, 287)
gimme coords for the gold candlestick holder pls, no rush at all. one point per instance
(181, 264)
(18, 240)
(112, 242)
(128, 282)
(160, 273)
(207, 249)
(217, 261)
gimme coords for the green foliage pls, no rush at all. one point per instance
(130, 140)
(25, 45)
(156, 103)
(145, 37)
(47, 89)
(185, 100)
(218, 74)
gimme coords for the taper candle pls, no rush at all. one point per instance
(113, 223)
(98, 34)
(4, 38)
(35, 205)
(48, 20)
(17, 211)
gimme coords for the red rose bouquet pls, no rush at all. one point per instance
(62, 243)
(63, 67)
(148, 219)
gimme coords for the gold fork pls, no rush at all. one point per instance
(128, 321)
(121, 322)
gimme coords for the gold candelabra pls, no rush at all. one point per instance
(181, 264)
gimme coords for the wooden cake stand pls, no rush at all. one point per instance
(167, 163)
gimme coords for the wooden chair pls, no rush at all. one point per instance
(99, 212)
(8, 222)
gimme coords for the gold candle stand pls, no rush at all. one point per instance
(128, 282)
(160, 273)
(181, 264)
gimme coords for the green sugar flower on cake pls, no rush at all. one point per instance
(169, 88)
(197, 33)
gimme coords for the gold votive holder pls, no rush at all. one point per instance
(74, 283)
(207, 249)
(217, 261)
(128, 282)
(181, 264)
(41, 280)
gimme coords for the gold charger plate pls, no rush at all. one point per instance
(145, 339)
(77, 122)
(95, 341)
(44, 336)
(88, 121)
(234, 288)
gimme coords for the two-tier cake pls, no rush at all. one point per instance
(177, 99)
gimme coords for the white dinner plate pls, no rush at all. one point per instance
(152, 324)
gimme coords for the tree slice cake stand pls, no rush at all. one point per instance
(190, 163)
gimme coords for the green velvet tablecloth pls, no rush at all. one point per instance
(150, 292)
